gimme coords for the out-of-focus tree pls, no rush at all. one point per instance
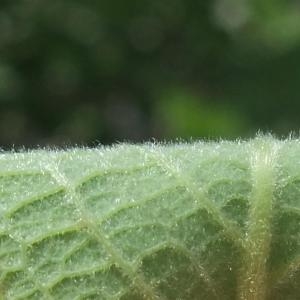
(102, 71)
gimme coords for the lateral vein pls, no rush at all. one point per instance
(137, 279)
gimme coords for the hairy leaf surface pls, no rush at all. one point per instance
(182, 221)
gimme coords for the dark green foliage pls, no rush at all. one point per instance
(88, 71)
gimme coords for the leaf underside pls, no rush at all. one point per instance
(183, 221)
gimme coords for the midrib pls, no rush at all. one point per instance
(252, 283)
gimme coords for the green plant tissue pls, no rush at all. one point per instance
(201, 220)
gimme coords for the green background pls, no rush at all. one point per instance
(89, 72)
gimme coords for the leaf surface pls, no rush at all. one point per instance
(182, 221)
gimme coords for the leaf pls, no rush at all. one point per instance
(183, 221)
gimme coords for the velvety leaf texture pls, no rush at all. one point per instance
(203, 220)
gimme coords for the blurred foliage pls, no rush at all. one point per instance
(83, 72)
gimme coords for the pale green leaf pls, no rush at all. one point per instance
(200, 220)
